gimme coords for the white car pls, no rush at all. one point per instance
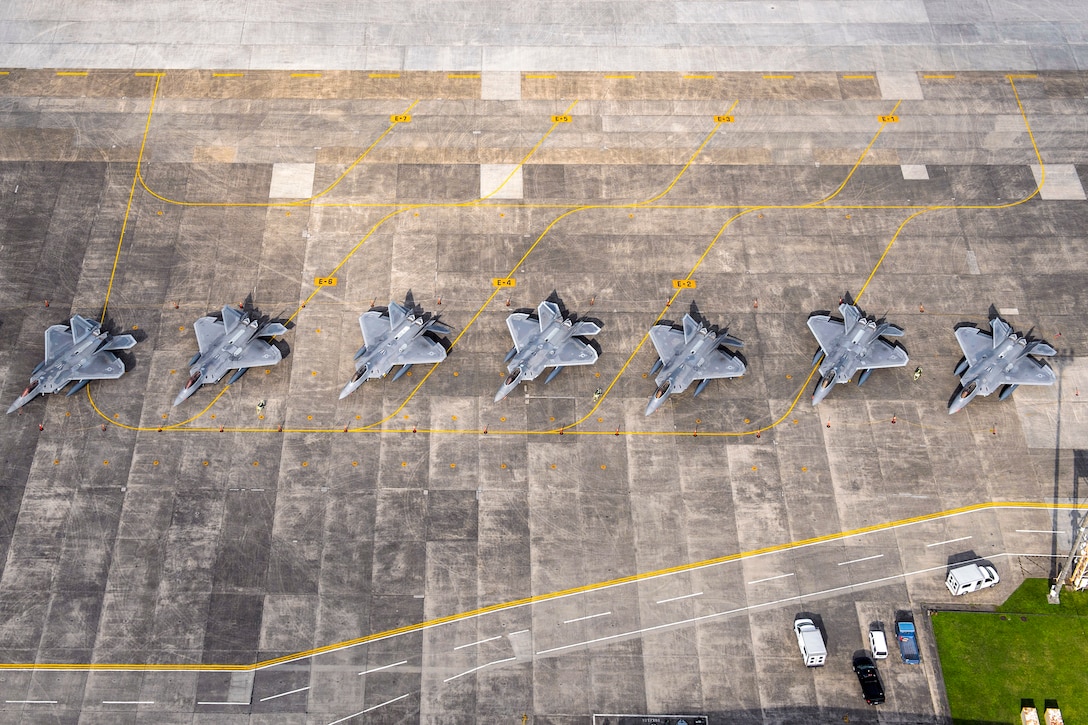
(878, 644)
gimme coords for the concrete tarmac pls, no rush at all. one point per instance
(265, 552)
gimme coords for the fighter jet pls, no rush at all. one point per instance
(851, 344)
(998, 358)
(395, 336)
(545, 339)
(694, 353)
(229, 344)
(76, 351)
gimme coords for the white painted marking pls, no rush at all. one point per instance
(1037, 531)
(520, 631)
(31, 702)
(128, 702)
(1008, 311)
(384, 667)
(789, 548)
(212, 702)
(590, 616)
(285, 694)
(676, 599)
(770, 578)
(475, 644)
(476, 669)
(949, 541)
(855, 561)
(374, 707)
(833, 590)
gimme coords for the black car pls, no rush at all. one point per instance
(871, 686)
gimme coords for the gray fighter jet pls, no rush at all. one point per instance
(694, 353)
(851, 344)
(1000, 358)
(545, 339)
(395, 336)
(229, 344)
(76, 351)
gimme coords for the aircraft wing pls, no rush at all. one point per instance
(1027, 371)
(257, 352)
(667, 340)
(522, 329)
(100, 366)
(56, 337)
(719, 364)
(208, 330)
(574, 352)
(974, 343)
(373, 324)
(420, 351)
(826, 330)
(883, 354)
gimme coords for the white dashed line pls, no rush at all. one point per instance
(285, 694)
(949, 541)
(369, 709)
(128, 702)
(476, 669)
(30, 702)
(588, 616)
(476, 644)
(383, 667)
(1034, 531)
(770, 578)
(676, 599)
(864, 558)
(215, 702)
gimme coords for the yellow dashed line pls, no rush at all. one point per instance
(857, 78)
(620, 77)
(71, 73)
(777, 77)
(698, 78)
(385, 75)
(540, 76)
(305, 75)
(227, 75)
(145, 74)
(939, 77)
(462, 75)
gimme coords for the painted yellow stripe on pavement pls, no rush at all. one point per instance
(781, 77)
(540, 75)
(857, 78)
(430, 624)
(698, 78)
(71, 73)
(145, 74)
(462, 75)
(227, 75)
(938, 77)
(305, 75)
(385, 75)
(620, 77)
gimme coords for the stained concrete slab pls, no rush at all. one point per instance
(456, 558)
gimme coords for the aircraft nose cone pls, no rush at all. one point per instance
(16, 405)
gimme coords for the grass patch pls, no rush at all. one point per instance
(1026, 649)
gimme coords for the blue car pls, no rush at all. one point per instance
(908, 642)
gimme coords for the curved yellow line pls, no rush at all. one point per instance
(550, 596)
(131, 195)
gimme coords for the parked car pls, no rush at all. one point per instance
(810, 641)
(908, 642)
(871, 687)
(878, 643)
(970, 578)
